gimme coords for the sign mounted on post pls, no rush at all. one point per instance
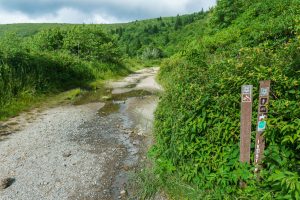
(246, 113)
(261, 121)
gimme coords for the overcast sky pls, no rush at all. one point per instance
(94, 11)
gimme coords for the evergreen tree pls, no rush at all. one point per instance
(155, 29)
(178, 23)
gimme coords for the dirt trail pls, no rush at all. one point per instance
(84, 151)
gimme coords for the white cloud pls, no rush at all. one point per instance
(94, 11)
(12, 17)
(63, 15)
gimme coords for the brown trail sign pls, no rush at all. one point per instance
(246, 115)
(264, 91)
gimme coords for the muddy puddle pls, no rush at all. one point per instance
(90, 96)
(113, 101)
(117, 101)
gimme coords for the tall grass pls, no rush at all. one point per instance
(50, 62)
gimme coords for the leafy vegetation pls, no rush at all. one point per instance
(26, 30)
(54, 60)
(156, 38)
(197, 121)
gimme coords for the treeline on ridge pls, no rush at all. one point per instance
(155, 38)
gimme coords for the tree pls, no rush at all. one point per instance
(155, 29)
(50, 39)
(228, 10)
(138, 44)
(178, 23)
(167, 39)
(90, 42)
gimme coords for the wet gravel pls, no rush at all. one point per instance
(75, 152)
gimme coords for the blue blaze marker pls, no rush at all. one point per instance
(261, 126)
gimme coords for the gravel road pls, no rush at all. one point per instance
(80, 152)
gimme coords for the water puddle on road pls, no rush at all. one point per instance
(129, 107)
(113, 102)
(116, 101)
(109, 107)
(125, 105)
(90, 96)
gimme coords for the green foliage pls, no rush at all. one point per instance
(50, 39)
(28, 29)
(87, 42)
(152, 53)
(228, 10)
(54, 60)
(178, 23)
(166, 34)
(197, 124)
(286, 183)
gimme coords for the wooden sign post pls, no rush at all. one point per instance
(246, 115)
(264, 91)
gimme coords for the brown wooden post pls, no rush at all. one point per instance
(246, 115)
(264, 91)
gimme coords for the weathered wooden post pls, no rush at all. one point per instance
(264, 91)
(246, 115)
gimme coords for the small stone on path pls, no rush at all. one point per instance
(5, 183)
(67, 154)
(123, 193)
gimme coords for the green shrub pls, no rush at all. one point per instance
(54, 60)
(197, 124)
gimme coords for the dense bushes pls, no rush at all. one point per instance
(87, 42)
(197, 121)
(54, 60)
